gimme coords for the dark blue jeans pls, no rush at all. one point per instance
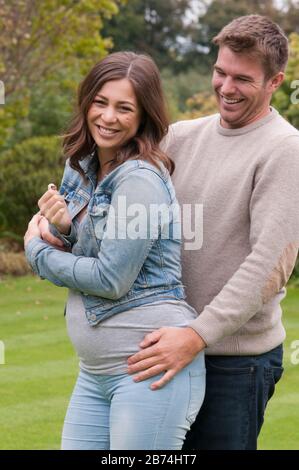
(238, 389)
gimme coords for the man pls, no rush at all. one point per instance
(243, 166)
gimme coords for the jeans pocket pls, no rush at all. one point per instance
(229, 368)
(197, 386)
(271, 375)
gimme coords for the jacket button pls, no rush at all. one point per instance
(93, 317)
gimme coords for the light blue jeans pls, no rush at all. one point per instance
(114, 412)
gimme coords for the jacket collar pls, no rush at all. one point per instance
(90, 163)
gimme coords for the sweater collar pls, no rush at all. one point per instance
(250, 127)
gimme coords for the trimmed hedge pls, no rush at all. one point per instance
(26, 171)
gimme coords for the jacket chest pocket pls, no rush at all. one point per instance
(74, 202)
(99, 214)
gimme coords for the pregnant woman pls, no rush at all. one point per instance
(116, 215)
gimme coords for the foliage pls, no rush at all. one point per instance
(156, 27)
(200, 105)
(40, 40)
(50, 105)
(41, 37)
(15, 110)
(179, 88)
(220, 12)
(286, 99)
(26, 171)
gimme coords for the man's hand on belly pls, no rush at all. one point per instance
(166, 350)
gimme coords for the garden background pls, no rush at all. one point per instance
(46, 47)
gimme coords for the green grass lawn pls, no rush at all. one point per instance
(281, 428)
(40, 364)
(40, 370)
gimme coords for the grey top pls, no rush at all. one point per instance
(105, 348)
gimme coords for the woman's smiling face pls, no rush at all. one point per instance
(114, 116)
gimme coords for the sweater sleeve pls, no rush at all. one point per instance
(274, 241)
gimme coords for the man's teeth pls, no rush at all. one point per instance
(226, 100)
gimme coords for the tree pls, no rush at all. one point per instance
(221, 12)
(38, 41)
(41, 37)
(156, 27)
(47, 110)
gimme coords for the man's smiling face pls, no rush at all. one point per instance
(243, 94)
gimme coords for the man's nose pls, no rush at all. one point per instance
(228, 86)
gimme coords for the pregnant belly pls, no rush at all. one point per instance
(106, 347)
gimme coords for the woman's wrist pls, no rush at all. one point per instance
(28, 237)
(63, 229)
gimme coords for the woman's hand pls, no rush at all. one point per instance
(53, 206)
(33, 229)
(48, 237)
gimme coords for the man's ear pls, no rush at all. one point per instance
(276, 81)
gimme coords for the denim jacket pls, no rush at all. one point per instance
(117, 260)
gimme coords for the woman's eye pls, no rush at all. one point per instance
(99, 102)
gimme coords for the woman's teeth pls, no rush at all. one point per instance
(104, 130)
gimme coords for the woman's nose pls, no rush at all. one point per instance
(109, 114)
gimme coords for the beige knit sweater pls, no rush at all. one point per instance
(248, 182)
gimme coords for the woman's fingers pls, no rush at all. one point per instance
(44, 199)
(52, 212)
(47, 236)
(35, 219)
(49, 203)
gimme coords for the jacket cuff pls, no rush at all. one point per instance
(69, 239)
(34, 246)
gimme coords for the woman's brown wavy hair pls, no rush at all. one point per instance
(144, 77)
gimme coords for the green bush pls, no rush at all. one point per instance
(26, 170)
(179, 88)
